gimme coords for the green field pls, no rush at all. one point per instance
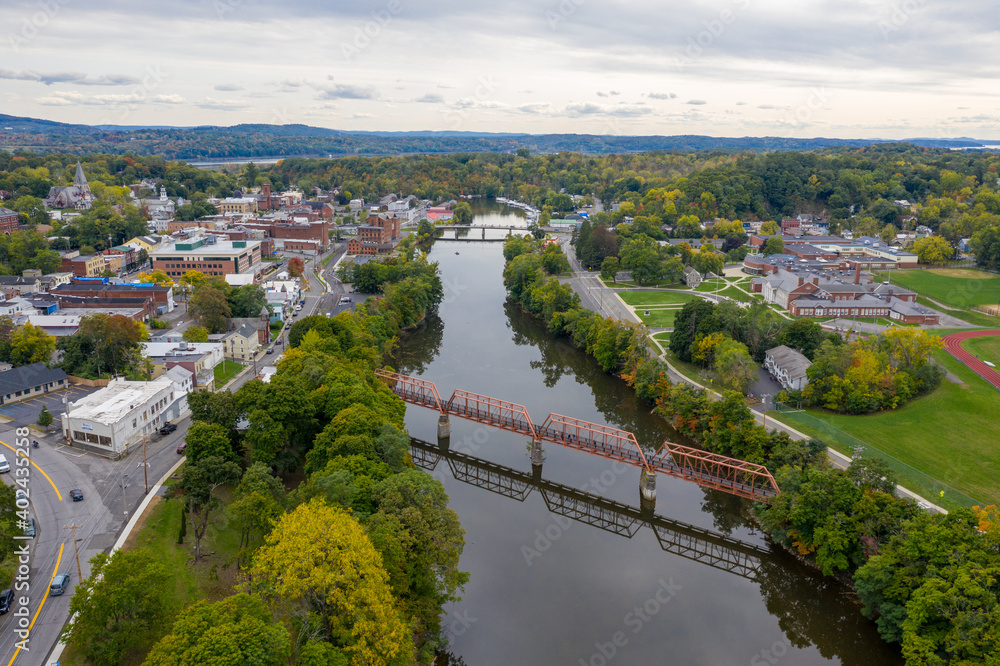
(957, 287)
(226, 371)
(663, 338)
(736, 295)
(635, 298)
(950, 435)
(987, 349)
(658, 317)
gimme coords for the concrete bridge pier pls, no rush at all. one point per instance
(537, 455)
(484, 233)
(444, 427)
(647, 487)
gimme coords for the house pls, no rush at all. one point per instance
(83, 266)
(122, 416)
(242, 344)
(692, 278)
(29, 381)
(787, 366)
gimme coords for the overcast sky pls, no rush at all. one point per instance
(836, 68)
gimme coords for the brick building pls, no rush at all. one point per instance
(161, 296)
(84, 266)
(208, 255)
(9, 221)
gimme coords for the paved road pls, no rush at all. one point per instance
(101, 516)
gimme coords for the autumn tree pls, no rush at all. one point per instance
(933, 250)
(235, 631)
(156, 277)
(195, 333)
(105, 344)
(121, 604)
(31, 344)
(296, 267)
(319, 559)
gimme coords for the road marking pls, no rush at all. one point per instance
(41, 605)
(32, 462)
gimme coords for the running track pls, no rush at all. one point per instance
(953, 343)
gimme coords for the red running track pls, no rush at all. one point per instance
(953, 343)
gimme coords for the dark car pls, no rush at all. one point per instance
(168, 428)
(76, 495)
(6, 599)
(29, 528)
(270, 350)
(59, 585)
(181, 447)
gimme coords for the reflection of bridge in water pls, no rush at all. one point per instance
(694, 543)
(709, 470)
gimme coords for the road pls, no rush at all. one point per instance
(101, 516)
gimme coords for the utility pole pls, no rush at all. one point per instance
(145, 466)
(79, 572)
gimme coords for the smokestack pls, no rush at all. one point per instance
(857, 273)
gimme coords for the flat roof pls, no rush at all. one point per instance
(112, 403)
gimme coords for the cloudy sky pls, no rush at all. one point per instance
(838, 68)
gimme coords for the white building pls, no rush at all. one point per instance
(788, 367)
(122, 415)
(214, 351)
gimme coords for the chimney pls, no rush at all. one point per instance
(857, 273)
(801, 281)
(816, 280)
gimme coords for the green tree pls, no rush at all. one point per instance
(207, 439)
(735, 366)
(640, 256)
(195, 333)
(236, 631)
(247, 301)
(319, 558)
(120, 606)
(210, 308)
(774, 245)
(199, 481)
(31, 344)
(462, 213)
(258, 504)
(45, 417)
(610, 268)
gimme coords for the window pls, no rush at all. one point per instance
(79, 436)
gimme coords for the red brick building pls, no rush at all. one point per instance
(9, 221)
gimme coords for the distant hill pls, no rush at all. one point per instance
(276, 141)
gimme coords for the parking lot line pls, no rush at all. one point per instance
(41, 605)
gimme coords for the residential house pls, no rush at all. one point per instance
(788, 367)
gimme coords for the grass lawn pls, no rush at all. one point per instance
(655, 297)
(736, 295)
(957, 287)
(226, 371)
(987, 349)
(712, 284)
(950, 435)
(658, 318)
(663, 338)
(212, 578)
(663, 284)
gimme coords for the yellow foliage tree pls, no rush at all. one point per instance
(703, 350)
(320, 557)
(157, 277)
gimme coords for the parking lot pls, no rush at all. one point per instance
(26, 411)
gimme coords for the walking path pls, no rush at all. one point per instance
(953, 343)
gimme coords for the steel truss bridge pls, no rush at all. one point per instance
(710, 470)
(694, 543)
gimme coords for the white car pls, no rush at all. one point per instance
(4, 465)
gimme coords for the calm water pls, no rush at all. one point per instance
(566, 567)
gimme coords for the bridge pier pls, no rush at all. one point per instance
(444, 427)
(537, 455)
(484, 233)
(647, 486)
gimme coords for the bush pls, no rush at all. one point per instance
(45, 417)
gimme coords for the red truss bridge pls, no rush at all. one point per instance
(710, 470)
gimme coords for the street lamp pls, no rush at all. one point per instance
(763, 410)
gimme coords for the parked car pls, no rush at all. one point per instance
(59, 585)
(168, 428)
(181, 447)
(270, 350)
(345, 299)
(6, 599)
(4, 465)
(76, 495)
(29, 528)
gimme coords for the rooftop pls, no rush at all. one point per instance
(112, 403)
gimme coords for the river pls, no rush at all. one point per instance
(565, 565)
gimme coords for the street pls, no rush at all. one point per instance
(111, 491)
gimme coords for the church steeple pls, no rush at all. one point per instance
(80, 180)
